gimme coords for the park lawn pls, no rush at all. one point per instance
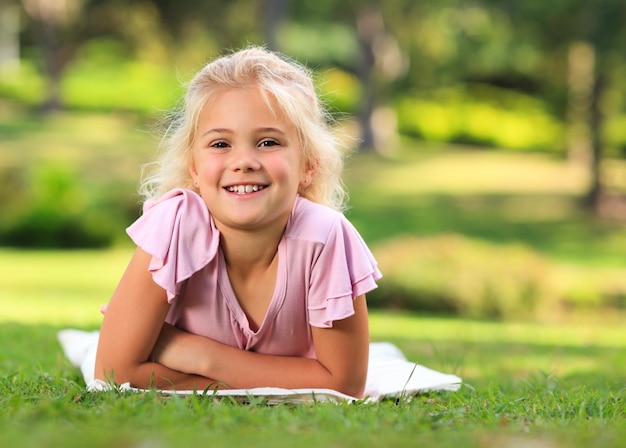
(527, 384)
(551, 384)
(423, 189)
(495, 196)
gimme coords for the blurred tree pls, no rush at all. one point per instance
(369, 28)
(231, 24)
(582, 45)
(9, 39)
(59, 29)
(353, 36)
(51, 21)
(180, 32)
(394, 49)
(273, 16)
(567, 52)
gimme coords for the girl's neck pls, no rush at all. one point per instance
(249, 250)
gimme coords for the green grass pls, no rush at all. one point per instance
(555, 384)
(527, 384)
(499, 197)
(48, 287)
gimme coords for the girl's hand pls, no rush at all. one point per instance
(341, 364)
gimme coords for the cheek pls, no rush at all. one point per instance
(286, 169)
(206, 171)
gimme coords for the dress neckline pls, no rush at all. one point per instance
(275, 304)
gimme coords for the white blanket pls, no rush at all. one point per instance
(390, 375)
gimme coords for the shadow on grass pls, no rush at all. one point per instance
(555, 224)
(512, 365)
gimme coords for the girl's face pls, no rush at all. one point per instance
(247, 162)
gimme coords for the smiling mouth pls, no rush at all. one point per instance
(243, 189)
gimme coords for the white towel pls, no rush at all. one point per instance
(389, 375)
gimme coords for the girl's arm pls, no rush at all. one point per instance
(342, 356)
(132, 322)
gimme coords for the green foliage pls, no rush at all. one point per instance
(56, 211)
(69, 180)
(104, 79)
(480, 115)
(615, 135)
(339, 90)
(453, 274)
(318, 44)
(27, 86)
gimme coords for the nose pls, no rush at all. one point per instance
(245, 159)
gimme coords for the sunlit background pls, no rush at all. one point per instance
(488, 136)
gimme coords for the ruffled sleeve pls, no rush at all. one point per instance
(179, 233)
(344, 270)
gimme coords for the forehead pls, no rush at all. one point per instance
(243, 109)
(236, 102)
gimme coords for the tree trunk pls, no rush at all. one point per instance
(581, 70)
(369, 26)
(594, 194)
(9, 40)
(273, 13)
(585, 120)
(49, 46)
(49, 18)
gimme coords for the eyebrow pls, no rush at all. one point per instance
(230, 131)
(217, 131)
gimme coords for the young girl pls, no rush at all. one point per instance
(246, 274)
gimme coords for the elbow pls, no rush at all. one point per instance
(356, 391)
(350, 379)
(353, 386)
(109, 373)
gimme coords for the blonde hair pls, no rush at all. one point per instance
(291, 87)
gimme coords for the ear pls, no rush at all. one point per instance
(308, 174)
(194, 173)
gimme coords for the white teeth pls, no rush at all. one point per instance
(242, 189)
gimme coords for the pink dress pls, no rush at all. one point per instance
(323, 264)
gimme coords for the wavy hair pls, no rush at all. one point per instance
(285, 83)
